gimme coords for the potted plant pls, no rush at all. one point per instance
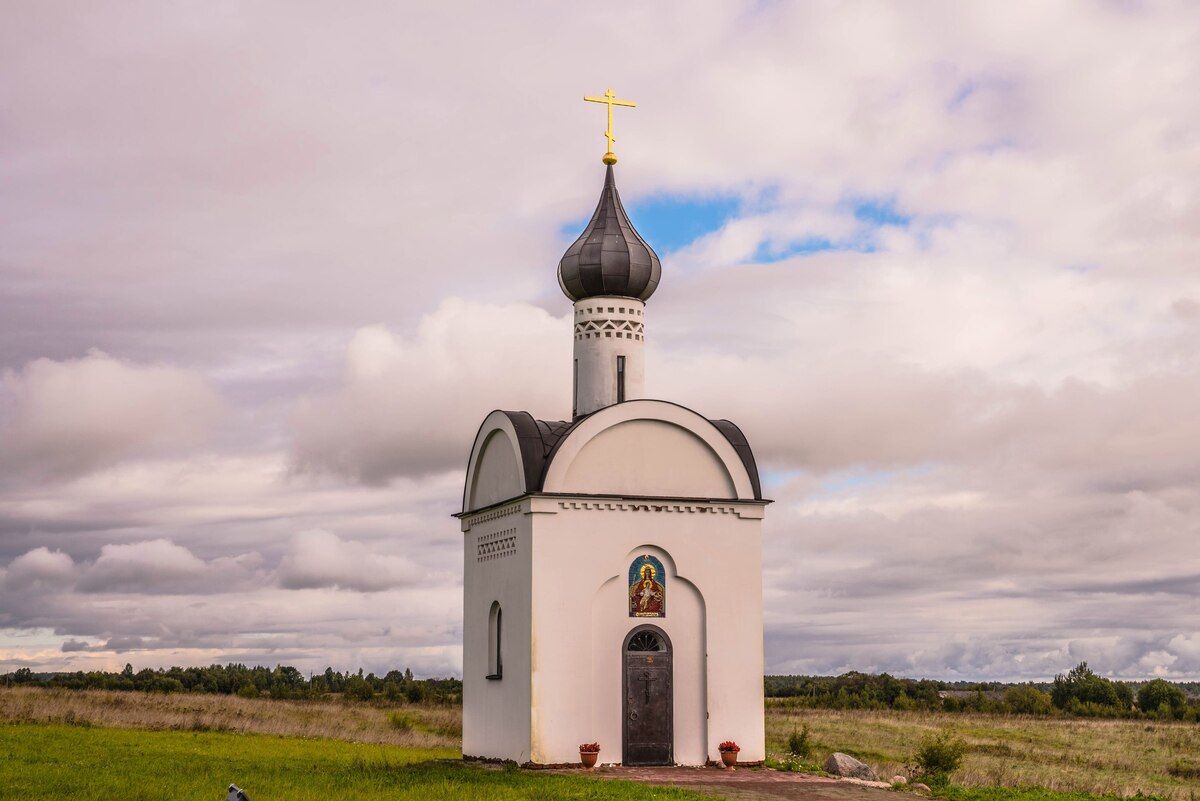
(588, 752)
(729, 751)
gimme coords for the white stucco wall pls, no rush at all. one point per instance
(581, 555)
(607, 327)
(496, 567)
(562, 583)
(684, 625)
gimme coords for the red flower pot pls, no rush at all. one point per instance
(729, 758)
(588, 758)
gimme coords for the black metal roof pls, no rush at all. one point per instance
(539, 440)
(609, 257)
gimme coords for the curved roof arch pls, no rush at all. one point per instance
(698, 444)
(535, 456)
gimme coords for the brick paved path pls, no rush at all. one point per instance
(750, 784)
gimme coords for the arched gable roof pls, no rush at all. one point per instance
(674, 426)
(537, 445)
(530, 440)
(740, 444)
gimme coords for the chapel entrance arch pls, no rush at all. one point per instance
(647, 728)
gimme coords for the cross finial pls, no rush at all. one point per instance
(610, 100)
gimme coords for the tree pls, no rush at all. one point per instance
(359, 689)
(1159, 695)
(1026, 700)
(1081, 685)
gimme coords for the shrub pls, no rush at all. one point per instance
(359, 689)
(403, 721)
(1026, 700)
(248, 690)
(939, 756)
(589, 748)
(799, 743)
(1154, 695)
(165, 684)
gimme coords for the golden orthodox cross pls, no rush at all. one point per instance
(610, 100)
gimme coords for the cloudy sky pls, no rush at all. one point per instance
(941, 261)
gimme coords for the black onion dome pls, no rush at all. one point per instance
(609, 257)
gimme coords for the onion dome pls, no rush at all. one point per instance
(609, 257)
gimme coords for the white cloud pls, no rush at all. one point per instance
(987, 408)
(409, 406)
(141, 566)
(39, 566)
(63, 418)
(319, 559)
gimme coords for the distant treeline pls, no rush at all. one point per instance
(281, 681)
(1079, 692)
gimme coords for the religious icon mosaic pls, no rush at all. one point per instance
(647, 588)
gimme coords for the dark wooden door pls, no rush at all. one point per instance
(648, 733)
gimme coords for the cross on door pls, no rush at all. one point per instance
(646, 680)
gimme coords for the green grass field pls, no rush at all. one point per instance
(50, 761)
(92, 745)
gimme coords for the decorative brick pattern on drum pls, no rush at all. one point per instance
(498, 545)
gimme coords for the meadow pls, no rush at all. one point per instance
(408, 725)
(40, 762)
(1088, 755)
(102, 744)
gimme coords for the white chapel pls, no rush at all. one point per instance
(612, 561)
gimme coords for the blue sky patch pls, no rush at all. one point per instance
(671, 222)
(768, 252)
(880, 212)
(872, 214)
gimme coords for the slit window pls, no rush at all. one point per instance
(495, 627)
(620, 379)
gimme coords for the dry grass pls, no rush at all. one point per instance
(1118, 757)
(412, 726)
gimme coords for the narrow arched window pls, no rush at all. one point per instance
(620, 379)
(495, 666)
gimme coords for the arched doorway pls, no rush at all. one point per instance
(647, 728)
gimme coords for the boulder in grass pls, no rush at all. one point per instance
(918, 787)
(899, 779)
(840, 764)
